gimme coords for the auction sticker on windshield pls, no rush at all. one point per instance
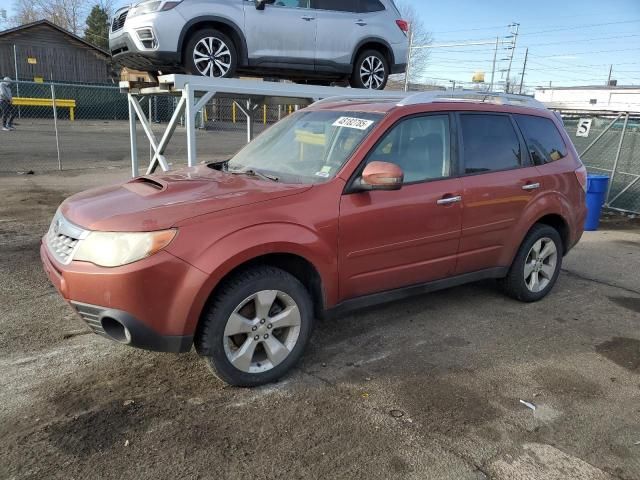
(352, 122)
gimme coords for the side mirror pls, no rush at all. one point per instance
(381, 176)
(260, 4)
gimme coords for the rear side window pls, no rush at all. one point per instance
(369, 6)
(490, 143)
(336, 5)
(544, 142)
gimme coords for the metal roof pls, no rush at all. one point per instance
(55, 27)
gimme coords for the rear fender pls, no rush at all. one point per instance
(548, 203)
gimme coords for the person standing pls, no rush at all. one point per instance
(6, 107)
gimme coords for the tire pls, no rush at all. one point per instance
(216, 43)
(367, 61)
(520, 284)
(238, 306)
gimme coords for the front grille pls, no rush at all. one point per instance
(62, 246)
(118, 21)
(63, 238)
(120, 50)
(91, 315)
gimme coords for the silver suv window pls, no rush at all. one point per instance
(355, 6)
(289, 3)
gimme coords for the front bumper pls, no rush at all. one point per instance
(128, 49)
(124, 328)
(152, 298)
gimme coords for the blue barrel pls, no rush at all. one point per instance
(596, 193)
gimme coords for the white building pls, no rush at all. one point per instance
(604, 98)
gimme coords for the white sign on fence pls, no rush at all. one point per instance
(584, 127)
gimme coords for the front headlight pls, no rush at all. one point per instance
(152, 6)
(113, 249)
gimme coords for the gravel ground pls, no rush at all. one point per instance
(104, 145)
(425, 388)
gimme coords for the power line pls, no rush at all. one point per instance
(579, 27)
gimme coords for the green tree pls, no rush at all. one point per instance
(97, 31)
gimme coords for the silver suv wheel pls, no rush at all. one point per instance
(262, 331)
(540, 265)
(372, 73)
(212, 57)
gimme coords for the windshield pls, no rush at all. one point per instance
(306, 147)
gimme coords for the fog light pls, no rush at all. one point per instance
(147, 37)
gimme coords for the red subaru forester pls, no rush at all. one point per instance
(343, 204)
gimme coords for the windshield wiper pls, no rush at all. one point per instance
(255, 173)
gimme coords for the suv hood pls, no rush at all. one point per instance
(158, 202)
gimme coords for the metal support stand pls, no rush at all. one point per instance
(133, 136)
(249, 111)
(195, 92)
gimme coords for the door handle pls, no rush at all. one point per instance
(449, 200)
(308, 19)
(531, 186)
(362, 23)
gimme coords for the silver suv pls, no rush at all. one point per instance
(310, 41)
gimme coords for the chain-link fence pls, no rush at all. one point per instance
(69, 126)
(609, 144)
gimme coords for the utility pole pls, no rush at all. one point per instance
(512, 47)
(493, 69)
(610, 71)
(408, 70)
(454, 84)
(524, 69)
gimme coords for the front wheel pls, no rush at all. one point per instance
(371, 71)
(537, 265)
(256, 327)
(210, 53)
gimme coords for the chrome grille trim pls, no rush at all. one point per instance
(63, 238)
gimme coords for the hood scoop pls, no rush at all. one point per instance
(145, 186)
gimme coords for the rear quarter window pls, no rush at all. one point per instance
(370, 6)
(544, 142)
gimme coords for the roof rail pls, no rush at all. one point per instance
(497, 98)
(349, 97)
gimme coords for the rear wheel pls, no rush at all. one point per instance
(537, 265)
(210, 53)
(256, 327)
(370, 71)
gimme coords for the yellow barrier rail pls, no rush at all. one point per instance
(47, 102)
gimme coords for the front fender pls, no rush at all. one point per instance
(247, 244)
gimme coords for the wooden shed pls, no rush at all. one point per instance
(42, 51)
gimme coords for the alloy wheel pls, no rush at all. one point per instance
(372, 72)
(262, 331)
(540, 265)
(212, 57)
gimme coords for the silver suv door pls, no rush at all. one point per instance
(342, 25)
(281, 35)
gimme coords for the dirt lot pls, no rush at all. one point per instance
(103, 144)
(425, 388)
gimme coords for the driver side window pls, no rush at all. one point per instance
(420, 146)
